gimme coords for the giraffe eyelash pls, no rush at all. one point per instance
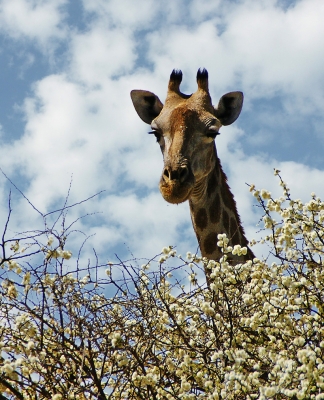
(156, 134)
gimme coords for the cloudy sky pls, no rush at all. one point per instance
(67, 67)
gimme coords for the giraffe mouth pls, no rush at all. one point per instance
(174, 191)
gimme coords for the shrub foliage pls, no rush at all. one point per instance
(121, 331)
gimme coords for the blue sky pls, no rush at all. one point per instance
(67, 68)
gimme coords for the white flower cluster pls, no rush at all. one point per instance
(167, 252)
(58, 253)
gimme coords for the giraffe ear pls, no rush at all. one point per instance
(147, 105)
(229, 107)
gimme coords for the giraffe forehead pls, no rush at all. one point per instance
(187, 118)
(184, 118)
(179, 121)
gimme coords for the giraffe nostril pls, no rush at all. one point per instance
(183, 173)
(166, 173)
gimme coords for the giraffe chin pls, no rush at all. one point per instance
(174, 193)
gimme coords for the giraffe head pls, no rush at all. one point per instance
(185, 128)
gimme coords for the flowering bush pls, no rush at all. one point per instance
(255, 332)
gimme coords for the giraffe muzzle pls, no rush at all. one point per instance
(176, 184)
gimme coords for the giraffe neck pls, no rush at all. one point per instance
(213, 211)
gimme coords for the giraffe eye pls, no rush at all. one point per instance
(212, 132)
(156, 134)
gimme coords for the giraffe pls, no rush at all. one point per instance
(185, 128)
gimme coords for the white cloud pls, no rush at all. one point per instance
(80, 120)
(99, 54)
(33, 19)
(126, 14)
(256, 45)
(277, 49)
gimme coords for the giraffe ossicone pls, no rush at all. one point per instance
(185, 127)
